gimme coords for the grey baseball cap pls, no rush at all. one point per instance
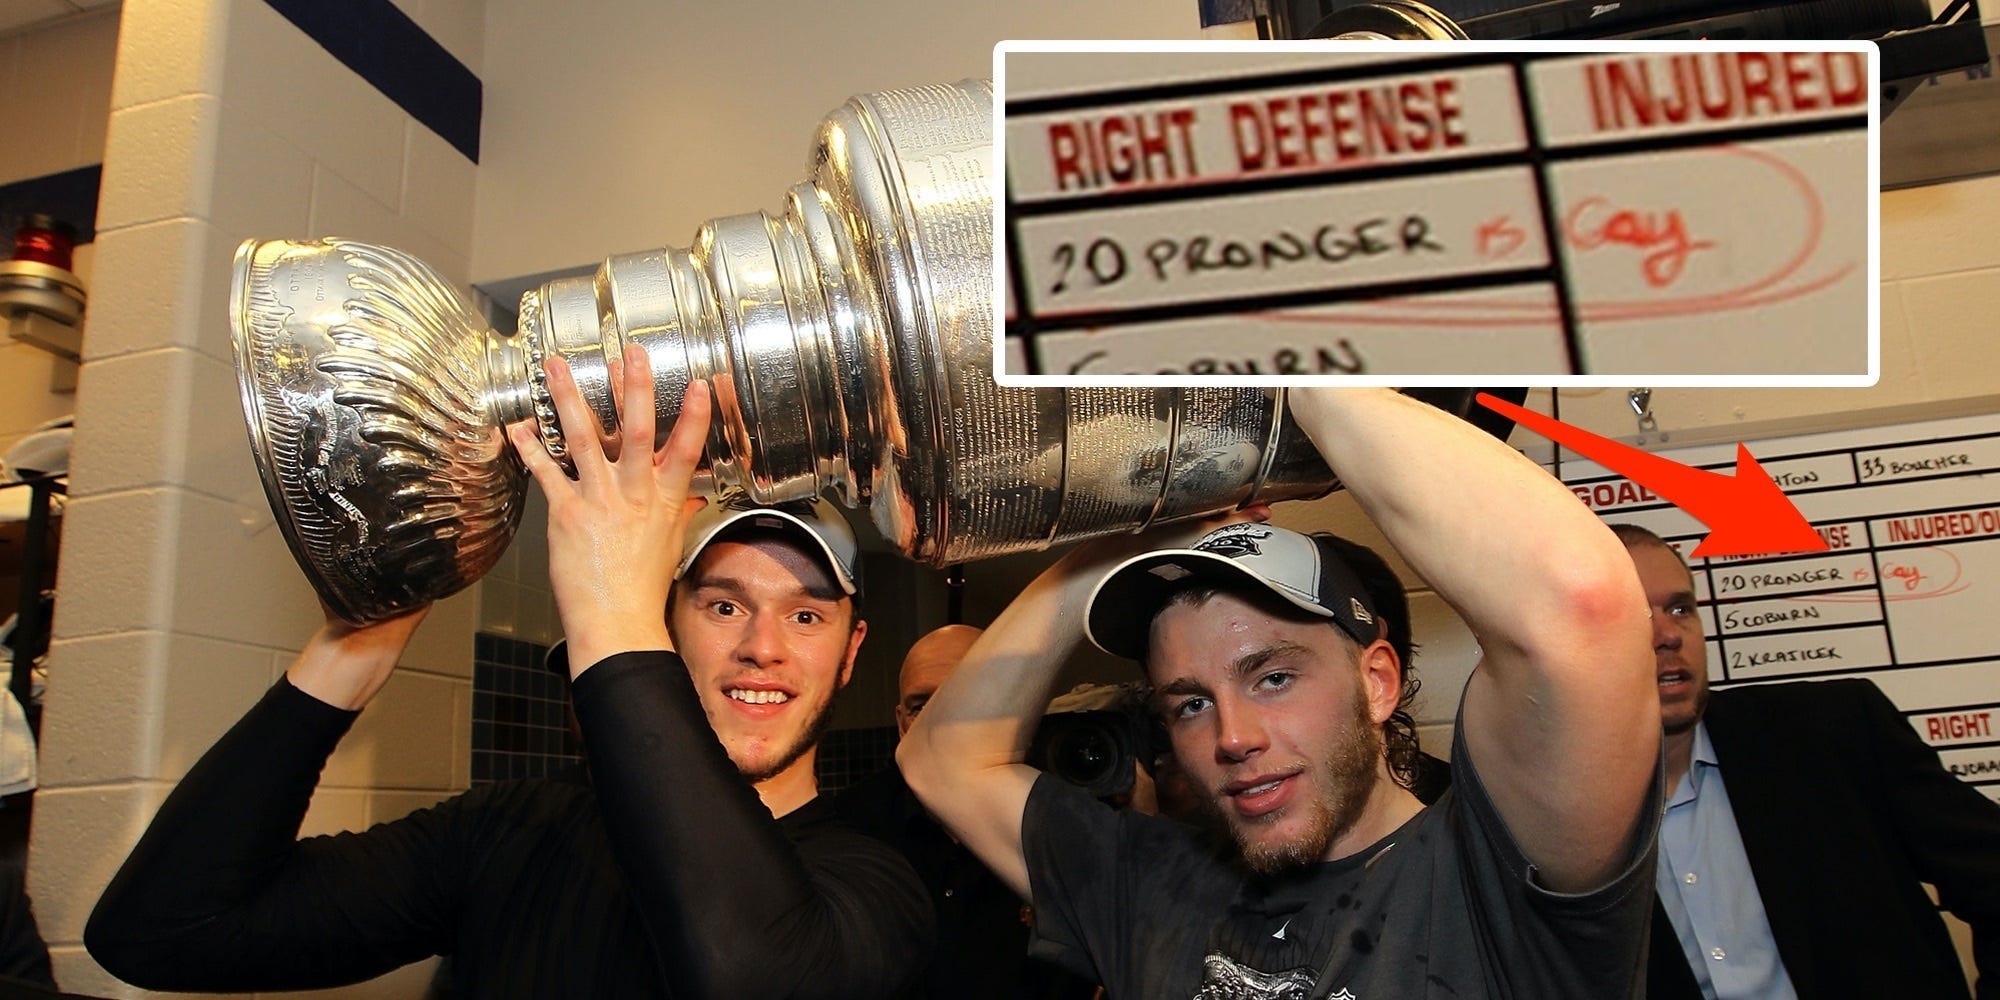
(1304, 570)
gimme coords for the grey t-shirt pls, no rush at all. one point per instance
(1445, 907)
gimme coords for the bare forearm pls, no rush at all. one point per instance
(1503, 541)
(1560, 717)
(964, 756)
(345, 666)
(986, 714)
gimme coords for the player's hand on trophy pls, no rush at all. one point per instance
(616, 530)
(344, 665)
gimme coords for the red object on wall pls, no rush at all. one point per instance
(46, 240)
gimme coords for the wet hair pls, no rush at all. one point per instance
(1385, 592)
(1392, 608)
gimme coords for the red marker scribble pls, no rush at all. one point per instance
(1500, 237)
(1781, 284)
(1595, 222)
(1911, 575)
(1910, 581)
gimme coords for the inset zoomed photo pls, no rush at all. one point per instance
(1404, 213)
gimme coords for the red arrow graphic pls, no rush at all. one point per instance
(1746, 514)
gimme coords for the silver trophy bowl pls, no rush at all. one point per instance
(848, 341)
(370, 397)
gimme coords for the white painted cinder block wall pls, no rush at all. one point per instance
(179, 603)
(57, 80)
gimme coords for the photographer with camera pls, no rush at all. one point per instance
(1103, 739)
(1527, 878)
(982, 944)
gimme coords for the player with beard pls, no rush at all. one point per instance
(694, 859)
(1277, 685)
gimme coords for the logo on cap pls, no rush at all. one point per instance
(1235, 541)
(1360, 613)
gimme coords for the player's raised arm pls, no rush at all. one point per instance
(1561, 717)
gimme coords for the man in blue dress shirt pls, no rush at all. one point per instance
(1802, 821)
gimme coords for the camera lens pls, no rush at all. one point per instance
(1092, 750)
(1085, 755)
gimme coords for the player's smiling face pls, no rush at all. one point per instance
(769, 639)
(1268, 718)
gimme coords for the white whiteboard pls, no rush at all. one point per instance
(1908, 596)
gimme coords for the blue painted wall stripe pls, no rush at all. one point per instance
(384, 47)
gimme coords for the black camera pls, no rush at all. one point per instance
(1094, 745)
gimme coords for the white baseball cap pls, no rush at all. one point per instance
(814, 519)
(1305, 570)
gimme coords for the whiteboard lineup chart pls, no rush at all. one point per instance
(1905, 596)
(1527, 213)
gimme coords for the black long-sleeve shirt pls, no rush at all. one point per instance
(664, 874)
(982, 947)
(24, 959)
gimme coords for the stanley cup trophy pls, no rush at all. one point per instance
(849, 343)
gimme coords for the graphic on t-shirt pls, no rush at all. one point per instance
(1222, 978)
